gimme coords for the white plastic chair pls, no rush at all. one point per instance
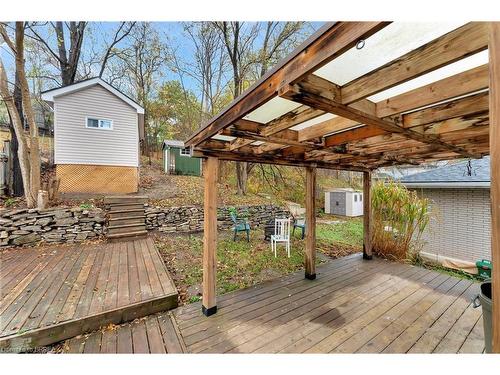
(281, 234)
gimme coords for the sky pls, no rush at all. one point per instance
(101, 31)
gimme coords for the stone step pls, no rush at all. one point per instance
(125, 199)
(127, 228)
(127, 236)
(127, 220)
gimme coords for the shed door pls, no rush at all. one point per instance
(337, 203)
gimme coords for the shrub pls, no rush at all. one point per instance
(399, 219)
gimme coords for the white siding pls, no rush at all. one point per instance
(76, 144)
(462, 227)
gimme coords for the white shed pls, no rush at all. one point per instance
(96, 137)
(344, 202)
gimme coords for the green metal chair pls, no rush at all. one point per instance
(301, 224)
(240, 226)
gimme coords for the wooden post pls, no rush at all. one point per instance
(209, 304)
(367, 220)
(310, 253)
(494, 66)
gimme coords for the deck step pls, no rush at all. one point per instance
(125, 199)
(126, 213)
(126, 206)
(128, 236)
(126, 220)
(126, 228)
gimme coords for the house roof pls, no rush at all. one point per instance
(455, 175)
(49, 95)
(174, 143)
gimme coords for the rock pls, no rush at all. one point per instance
(4, 234)
(32, 228)
(82, 236)
(44, 221)
(5, 221)
(60, 214)
(27, 239)
(65, 222)
(21, 232)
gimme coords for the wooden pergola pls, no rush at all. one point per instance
(358, 96)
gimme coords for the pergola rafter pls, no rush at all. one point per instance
(431, 101)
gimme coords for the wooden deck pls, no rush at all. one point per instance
(48, 294)
(354, 306)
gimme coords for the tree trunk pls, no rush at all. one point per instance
(241, 177)
(19, 129)
(34, 148)
(16, 178)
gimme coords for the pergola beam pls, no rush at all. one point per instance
(310, 249)
(330, 41)
(301, 93)
(273, 159)
(494, 50)
(209, 304)
(464, 83)
(367, 216)
(453, 46)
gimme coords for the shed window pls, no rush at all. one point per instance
(360, 197)
(186, 151)
(98, 123)
(355, 197)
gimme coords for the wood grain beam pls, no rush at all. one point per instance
(367, 216)
(453, 46)
(310, 248)
(272, 159)
(330, 41)
(209, 304)
(298, 94)
(460, 84)
(468, 82)
(494, 39)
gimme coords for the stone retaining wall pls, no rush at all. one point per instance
(190, 219)
(62, 224)
(59, 224)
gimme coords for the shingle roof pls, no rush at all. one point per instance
(455, 174)
(174, 143)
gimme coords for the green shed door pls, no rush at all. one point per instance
(185, 164)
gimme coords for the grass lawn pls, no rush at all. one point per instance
(241, 264)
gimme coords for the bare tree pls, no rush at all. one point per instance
(142, 64)
(66, 59)
(238, 39)
(28, 147)
(210, 66)
(123, 30)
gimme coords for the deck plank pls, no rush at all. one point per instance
(378, 343)
(263, 303)
(139, 337)
(155, 340)
(80, 288)
(109, 341)
(133, 276)
(474, 343)
(170, 338)
(123, 291)
(411, 334)
(124, 339)
(250, 336)
(146, 292)
(433, 336)
(110, 299)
